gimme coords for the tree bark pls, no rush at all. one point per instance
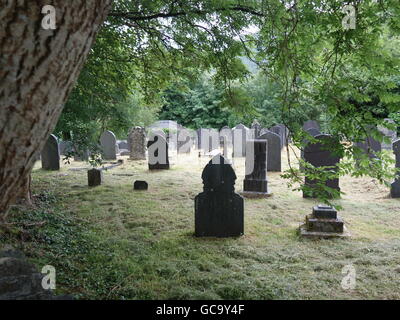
(38, 68)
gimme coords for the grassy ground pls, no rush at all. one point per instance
(110, 242)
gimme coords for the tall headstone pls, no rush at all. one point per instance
(395, 186)
(108, 144)
(157, 148)
(50, 154)
(279, 131)
(225, 136)
(313, 132)
(274, 156)
(255, 183)
(219, 211)
(137, 143)
(320, 154)
(256, 128)
(240, 135)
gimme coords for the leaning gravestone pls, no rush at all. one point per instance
(395, 186)
(137, 143)
(157, 148)
(274, 157)
(240, 134)
(319, 154)
(108, 144)
(255, 184)
(218, 209)
(50, 155)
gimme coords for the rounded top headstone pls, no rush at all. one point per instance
(218, 175)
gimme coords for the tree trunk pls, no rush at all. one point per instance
(38, 68)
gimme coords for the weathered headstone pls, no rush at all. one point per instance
(123, 144)
(274, 156)
(320, 154)
(137, 143)
(95, 177)
(255, 184)
(218, 209)
(324, 222)
(157, 148)
(395, 186)
(389, 134)
(140, 185)
(240, 135)
(50, 155)
(108, 144)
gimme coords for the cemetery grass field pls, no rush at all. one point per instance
(110, 242)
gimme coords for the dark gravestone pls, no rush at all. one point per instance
(395, 186)
(319, 154)
(255, 183)
(312, 132)
(157, 148)
(280, 132)
(65, 147)
(370, 146)
(324, 222)
(140, 185)
(274, 157)
(95, 177)
(50, 155)
(256, 128)
(218, 209)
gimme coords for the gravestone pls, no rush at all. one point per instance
(108, 144)
(389, 134)
(65, 147)
(279, 131)
(225, 136)
(50, 155)
(140, 185)
(95, 177)
(311, 124)
(123, 144)
(81, 155)
(255, 184)
(184, 141)
(395, 186)
(256, 128)
(137, 143)
(240, 134)
(157, 148)
(369, 146)
(319, 154)
(274, 156)
(218, 209)
(312, 132)
(324, 222)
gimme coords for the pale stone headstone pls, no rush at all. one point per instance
(184, 141)
(137, 143)
(157, 148)
(219, 211)
(240, 135)
(256, 128)
(50, 154)
(274, 156)
(108, 144)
